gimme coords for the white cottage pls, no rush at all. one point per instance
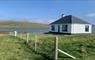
(70, 25)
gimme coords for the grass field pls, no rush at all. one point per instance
(15, 48)
(80, 46)
(14, 24)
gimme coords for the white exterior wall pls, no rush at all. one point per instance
(73, 28)
(69, 28)
(80, 28)
(56, 28)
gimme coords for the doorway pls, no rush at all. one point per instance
(58, 28)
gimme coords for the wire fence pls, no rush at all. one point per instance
(40, 43)
(46, 45)
(77, 45)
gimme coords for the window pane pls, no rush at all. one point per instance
(52, 27)
(87, 28)
(65, 28)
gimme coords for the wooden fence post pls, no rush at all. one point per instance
(56, 48)
(66, 54)
(15, 33)
(35, 43)
(27, 37)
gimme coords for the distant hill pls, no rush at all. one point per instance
(14, 24)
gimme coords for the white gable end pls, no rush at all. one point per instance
(80, 28)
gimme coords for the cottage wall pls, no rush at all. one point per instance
(56, 28)
(80, 28)
(73, 28)
(68, 28)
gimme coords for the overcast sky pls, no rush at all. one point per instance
(46, 11)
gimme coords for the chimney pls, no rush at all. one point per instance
(62, 15)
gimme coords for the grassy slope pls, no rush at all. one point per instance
(73, 44)
(12, 48)
(13, 24)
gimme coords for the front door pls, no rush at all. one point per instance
(58, 28)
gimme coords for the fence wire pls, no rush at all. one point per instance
(44, 43)
(80, 46)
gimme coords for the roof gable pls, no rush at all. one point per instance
(69, 20)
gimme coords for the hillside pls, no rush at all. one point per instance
(14, 24)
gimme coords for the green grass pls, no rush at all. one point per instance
(14, 48)
(80, 46)
(13, 24)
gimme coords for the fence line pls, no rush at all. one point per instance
(13, 33)
(56, 50)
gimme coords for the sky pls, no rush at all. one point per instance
(46, 11)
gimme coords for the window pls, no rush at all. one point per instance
(87, 28)
(65, 28)
(52, 27)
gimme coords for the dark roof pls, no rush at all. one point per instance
(93, 29)
(69, 19)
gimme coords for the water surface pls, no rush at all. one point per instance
(33, 30)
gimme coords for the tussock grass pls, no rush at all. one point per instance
(80, 46)
(14, 48)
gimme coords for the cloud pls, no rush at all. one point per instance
(91, 15)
